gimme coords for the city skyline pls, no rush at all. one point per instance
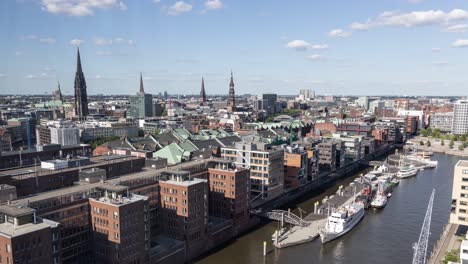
(392, 48)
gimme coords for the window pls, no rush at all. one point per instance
(8, 248)
(116, 235)
(184, 193)
(116, 215)
(116, 225)
(184, 210)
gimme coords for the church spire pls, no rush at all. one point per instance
(231, 102)
(78, 61)
(202, 91)
(142, 90)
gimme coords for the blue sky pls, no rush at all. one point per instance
(387, 47)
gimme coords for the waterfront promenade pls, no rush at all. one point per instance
(448, 241)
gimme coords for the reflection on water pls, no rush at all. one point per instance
(383, 236)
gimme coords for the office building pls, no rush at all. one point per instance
(460, 118)
(229, 193)
(459, 211)
(64, 133)
(26, 239)
(296, 166)
(184, 208)
(266, 167)
(270, 100)
(141, 104)
(120, 226)
(5, 140)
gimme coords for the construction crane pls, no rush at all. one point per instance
(420, 247)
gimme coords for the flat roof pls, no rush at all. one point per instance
(79, 188)
(8, 229)
(187, 182)
(113, 187)
(462, 163)
(15, 211)
(32, 171)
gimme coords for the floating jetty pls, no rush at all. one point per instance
(307, 229)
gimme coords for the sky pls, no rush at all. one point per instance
(359, 47)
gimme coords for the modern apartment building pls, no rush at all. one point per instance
(441, 121)
(459, 212)
(266, 165)
(460, 118)
(296, 167)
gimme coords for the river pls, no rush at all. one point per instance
(383, 236)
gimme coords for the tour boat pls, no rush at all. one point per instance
(342, 221)
(407, 171)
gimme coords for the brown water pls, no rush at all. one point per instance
(384, 236)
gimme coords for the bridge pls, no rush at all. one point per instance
(286, 216)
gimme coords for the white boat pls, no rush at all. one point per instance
(380, 170)
(342, 221)
(407, 171)
(425, 160)
(379, 201)
(280, 233)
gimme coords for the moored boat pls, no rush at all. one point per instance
(341, 221)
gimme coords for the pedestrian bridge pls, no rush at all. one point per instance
(287, 217)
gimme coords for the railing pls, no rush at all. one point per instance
(286, 216)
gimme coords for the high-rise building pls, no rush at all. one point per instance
(270, 100)
(459, 212)
(460, 118)
(120, 227)
(202, 92)
(81, 96)
(363, 101)
(231, 102)
(141, 104)
(266, 167)
(5, 140)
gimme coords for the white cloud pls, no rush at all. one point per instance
(103, 53)
(302, 45)
(47, 40)
(460, 43)
(440, 63)
(79, 7)
(359, 26)
(339, 33)
(213, 4)
(156, 1)
(314, 57)
(41, 76)
(122, 6)
(436, 49)
(413, 19)
(459, 28)
(18, 53)
(2, 75)
(102, 41)
(130, 42)
(76, 42)
(179, 7)
(29, 37)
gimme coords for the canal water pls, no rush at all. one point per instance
(384, 236)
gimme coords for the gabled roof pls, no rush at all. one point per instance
(173, 153)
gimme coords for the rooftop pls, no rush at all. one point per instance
(120, 201)
(187, 182)
(11, 230)
(462, 163)
(15, 211)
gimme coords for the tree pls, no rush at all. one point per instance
(424, 132)
(421, 143)
(428, 143)
(141, 133)
(451, 144)
(442, 143)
